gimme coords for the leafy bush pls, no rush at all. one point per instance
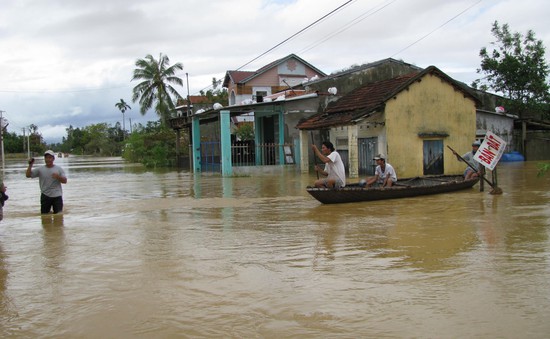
(152, 145)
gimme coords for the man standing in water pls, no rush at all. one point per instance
(334, 171)
(50, 178)
(3, 198)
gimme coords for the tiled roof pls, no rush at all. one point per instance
(368, 99)
(358, 103)
(363, 67)
(195, 99)
(198, 99)
(370, 96)
(238, 76)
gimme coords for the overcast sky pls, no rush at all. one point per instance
(67, 62)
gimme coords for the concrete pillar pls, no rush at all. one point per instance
(196, 137)
(353, 156)
(304, 151)
(281, 137)
(297, 152)
(225, 147)
(258, 138)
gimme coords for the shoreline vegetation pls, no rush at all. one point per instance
(11, 156)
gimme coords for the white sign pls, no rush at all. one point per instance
(490, 151)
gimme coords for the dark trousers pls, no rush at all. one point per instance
(46, 204)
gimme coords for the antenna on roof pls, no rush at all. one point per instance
(289, 87)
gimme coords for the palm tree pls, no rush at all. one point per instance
(123, 106)
(155, 88)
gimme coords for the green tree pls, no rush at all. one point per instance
(98, 140)
(123, 107)
(76, 140)
(517, 69)
(156, 77)
(152, 145)
(14, 143)
(245, 131)
(217, 94)
(37, 144)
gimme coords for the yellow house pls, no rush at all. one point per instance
(411, 119)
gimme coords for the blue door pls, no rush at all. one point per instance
(367, 151)
(433, 157)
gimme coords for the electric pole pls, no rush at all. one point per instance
(2, 139)
(24, 141)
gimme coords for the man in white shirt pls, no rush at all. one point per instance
(384, 174)
(334, 170)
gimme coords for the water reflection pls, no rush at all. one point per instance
(141, 253)
(428, 238)
(326, 239)
(3, 281)
(54, 238)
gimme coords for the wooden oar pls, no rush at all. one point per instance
(314, 155)
(495, 189)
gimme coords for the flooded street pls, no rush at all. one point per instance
(166, 254)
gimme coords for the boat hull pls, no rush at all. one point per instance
(404, 188)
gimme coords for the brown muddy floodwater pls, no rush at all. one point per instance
(156, 254)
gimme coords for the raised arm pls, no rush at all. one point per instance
(29, 168)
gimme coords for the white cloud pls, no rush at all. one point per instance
(53, 133)
(67, 62)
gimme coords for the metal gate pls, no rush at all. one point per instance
(367, 151)
(210, 156)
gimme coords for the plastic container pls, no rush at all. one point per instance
(512, 156)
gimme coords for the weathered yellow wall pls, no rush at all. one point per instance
(431, 105)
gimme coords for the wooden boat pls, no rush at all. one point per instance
(404, 188)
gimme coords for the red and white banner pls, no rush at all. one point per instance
(490, 151)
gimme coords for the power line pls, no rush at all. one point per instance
(348, 25)
(430, 33)
(337, 9)
(299, 32)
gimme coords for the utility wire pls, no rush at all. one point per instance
(430, 33)
(292, 36)
(299, 32)
(350, 24)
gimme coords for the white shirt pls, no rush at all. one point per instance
(388, 171)
(335, 168)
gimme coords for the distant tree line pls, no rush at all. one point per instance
(19, 143)
(153, 144)
(97, 139)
